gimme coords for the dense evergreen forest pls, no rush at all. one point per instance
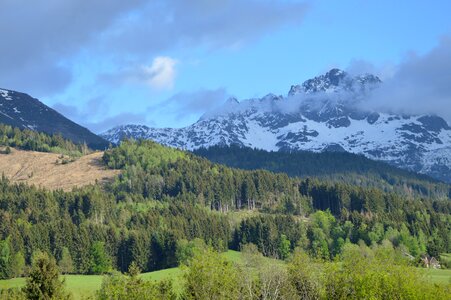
(165, 196)
(166, 201)
(331, 166)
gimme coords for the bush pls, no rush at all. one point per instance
(211, 276)
(120, 287)
(378, 274)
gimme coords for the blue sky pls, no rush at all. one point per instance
(164, 63)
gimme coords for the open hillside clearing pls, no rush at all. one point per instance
(47, 170)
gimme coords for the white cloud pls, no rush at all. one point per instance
(384, 71)
(161, 74)
(187, 107)
(420, 84)
(59, 32)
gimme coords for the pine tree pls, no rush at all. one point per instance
(43, 281)
(66, 264)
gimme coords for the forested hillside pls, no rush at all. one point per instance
(199, 181)
(331, 166)
(37, 141)
(166, 202)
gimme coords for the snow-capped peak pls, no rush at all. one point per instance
(335, 80)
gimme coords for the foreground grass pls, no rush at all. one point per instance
(82, 286)
(442, 276)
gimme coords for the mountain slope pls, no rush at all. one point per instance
(40, 169)
(324, 113)
(331, 166)
(22, 111)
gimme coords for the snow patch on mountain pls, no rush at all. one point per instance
(5, 94)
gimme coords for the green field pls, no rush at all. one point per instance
(83, 286)
(438, 275)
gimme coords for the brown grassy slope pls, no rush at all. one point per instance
(41, 169)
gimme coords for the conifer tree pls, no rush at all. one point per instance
(43, 281)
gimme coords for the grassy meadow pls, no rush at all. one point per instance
(83, 286)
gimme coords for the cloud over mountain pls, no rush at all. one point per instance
(421, 84)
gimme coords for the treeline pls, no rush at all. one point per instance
(26, 139)
(323, 236)
(88, 232)
(379, 272)
(331, 166)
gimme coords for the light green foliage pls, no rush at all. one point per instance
(319, 233)
(43, 281)
(100, 262)
(305, 275)
(11, 264)
(5, 257)
(12, 294)
(32, 140)
(186, 250)
(66, 264)
(284, 247)
(251, 256)
(264, 278)
(376, 274)
(210, 276)
(17, 264)
(120, 287)
(146, 154)
(273, 282)
(259, 274)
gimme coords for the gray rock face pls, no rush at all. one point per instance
(325, 113)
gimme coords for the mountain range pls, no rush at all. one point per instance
(326, 113)
(25, 112)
